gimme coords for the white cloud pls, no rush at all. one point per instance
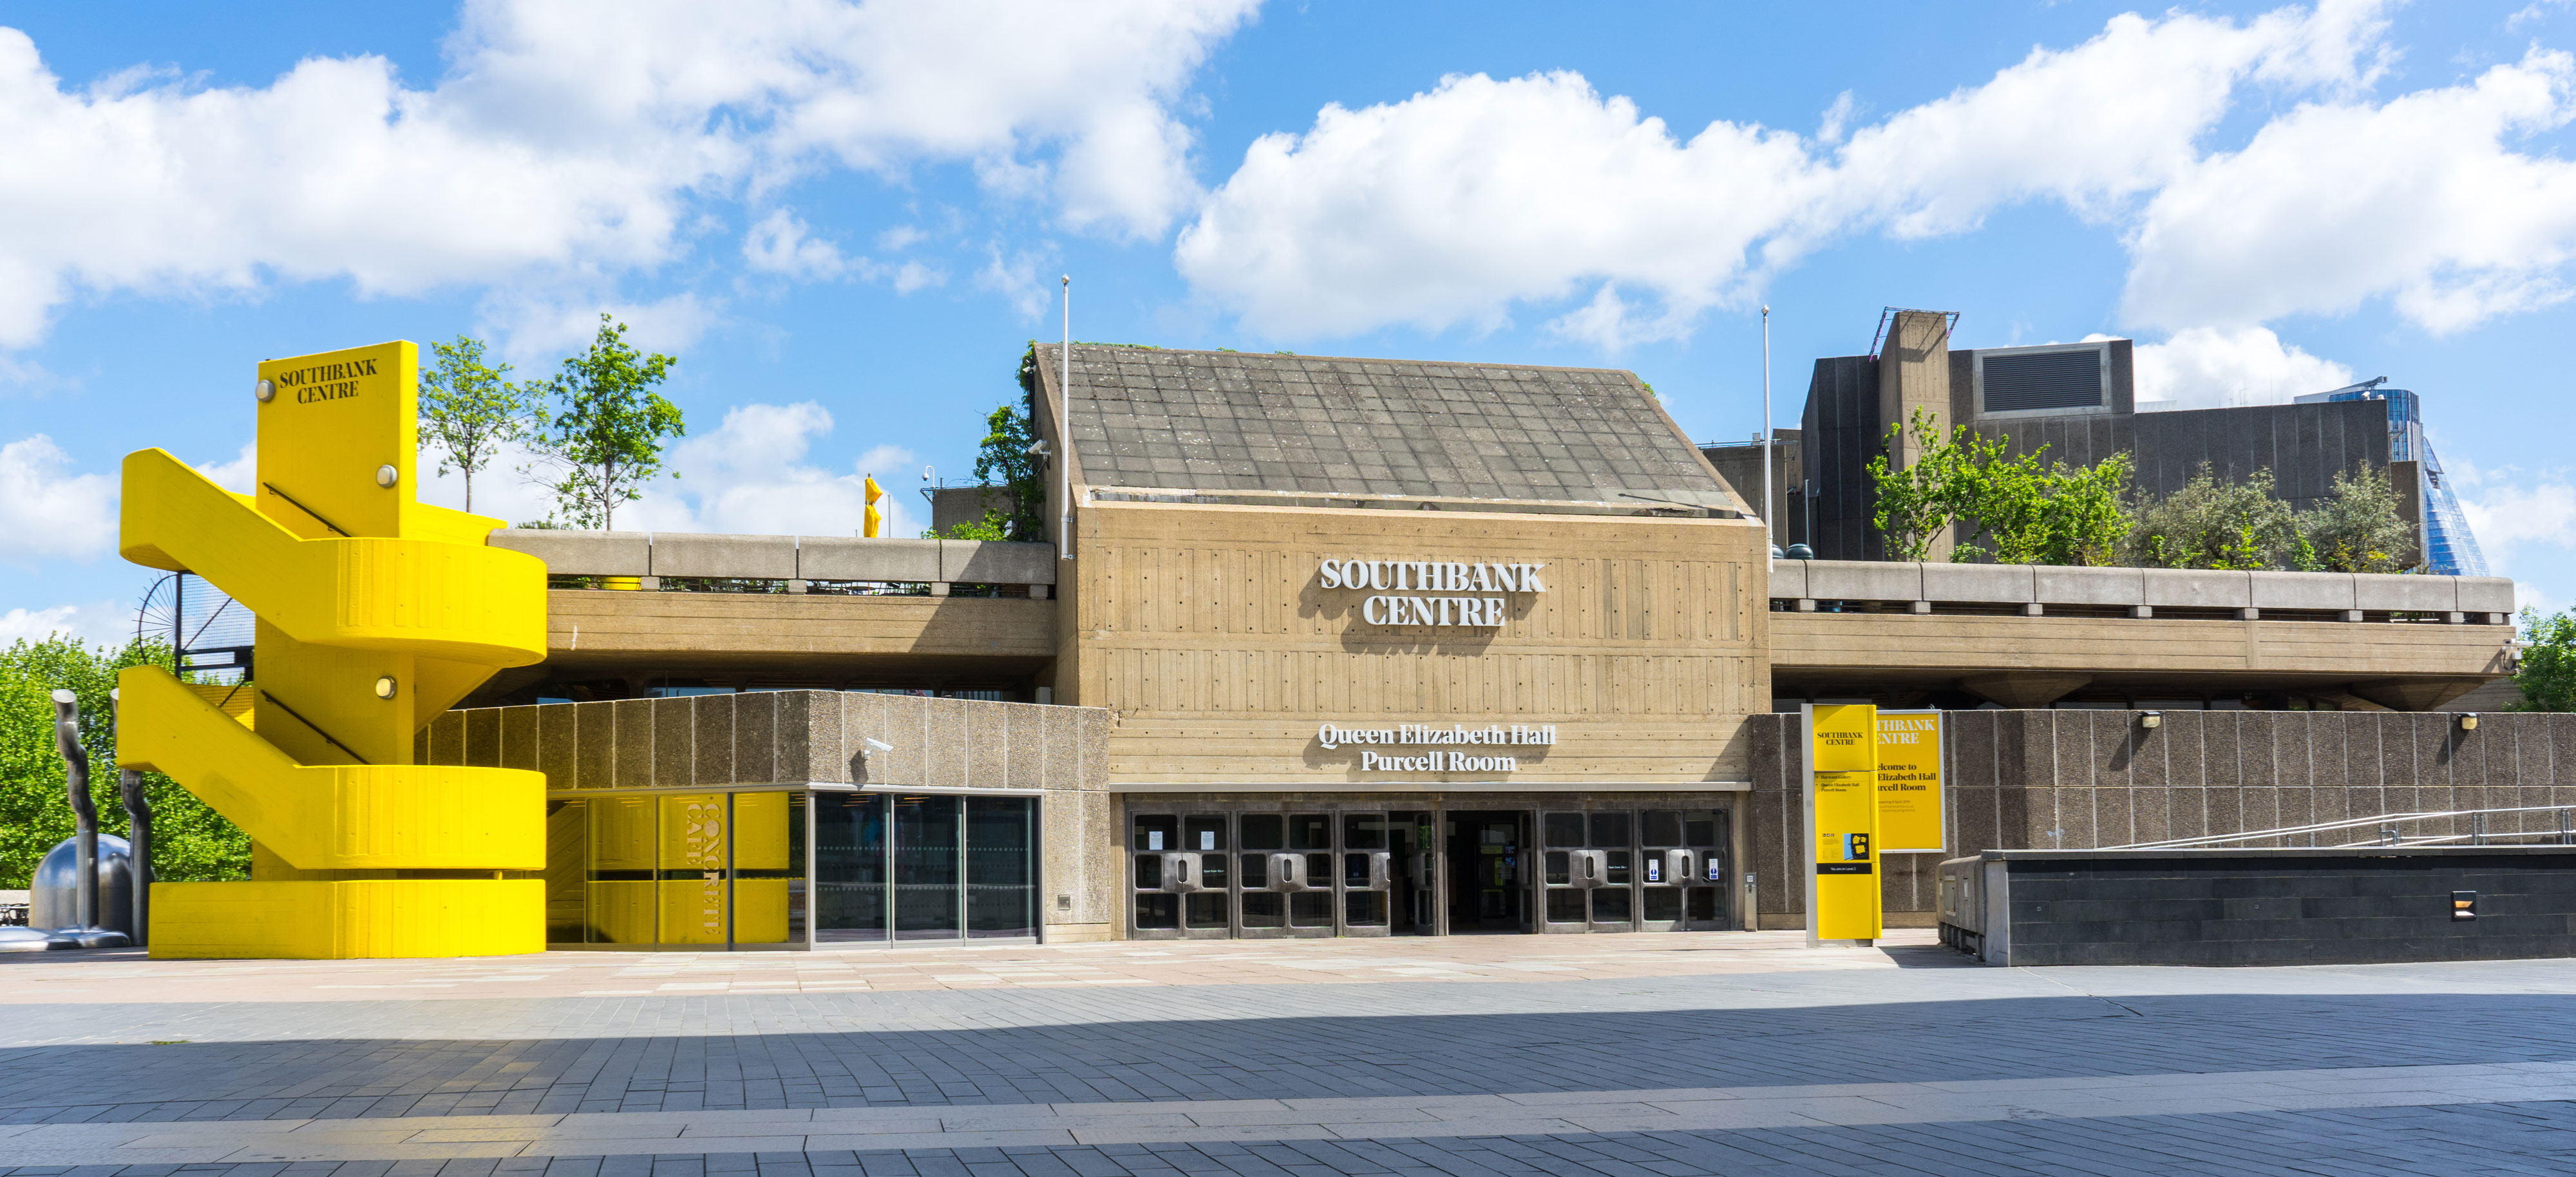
(750, 477)
(45, 510)
(570, 141)
(1455, 205)
(2511, 520)
(237, 475)
(780, 245)
(544, 329)
(2205, 367)
(1017, 278)
(100, 623)
(1462, 204)
(2422, 200)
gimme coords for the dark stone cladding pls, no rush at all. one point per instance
(1240, 421)
(2290, 906)
(770, 737)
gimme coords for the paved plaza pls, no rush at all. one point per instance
(1651, 1054)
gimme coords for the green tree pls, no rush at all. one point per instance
(601, 426)
(190, 842)
(468, 409)
(2216, 525)
(2025, 512)
(2357, 528)
(2548, 672)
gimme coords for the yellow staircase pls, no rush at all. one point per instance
(376, 612)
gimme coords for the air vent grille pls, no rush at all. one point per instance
(2042, 380)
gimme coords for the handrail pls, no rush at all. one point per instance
(2387, 824)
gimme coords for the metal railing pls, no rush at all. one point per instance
(2387, 830)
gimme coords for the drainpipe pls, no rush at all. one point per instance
(1064, 431)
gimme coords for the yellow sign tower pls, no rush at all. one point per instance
(1842, 823)
(376, 613)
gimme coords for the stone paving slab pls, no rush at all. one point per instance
(127, 975)
(1192, 1122)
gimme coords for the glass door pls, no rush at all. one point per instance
(1368, 862)
(1001, 867)
(1706, 906)
(1666, 870)
(1614, 897)
(851, 897)
(1310, 897)
(1207, 911)
(1262, 873)
(1568, 873)
(926, 862)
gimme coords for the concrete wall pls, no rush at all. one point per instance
(2073, 780)
(766, 737)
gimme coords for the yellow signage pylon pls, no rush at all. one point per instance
(376, 612)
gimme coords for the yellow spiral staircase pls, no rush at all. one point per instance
(376, 612)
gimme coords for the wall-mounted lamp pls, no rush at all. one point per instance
(2468, 721)
(386, 687)
(2151, 720)
(870, 746)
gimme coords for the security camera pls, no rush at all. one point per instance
(1037, 448)
(872, 747)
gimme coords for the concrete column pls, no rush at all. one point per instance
(1914, 373)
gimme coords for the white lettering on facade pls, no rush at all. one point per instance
(1387, 577)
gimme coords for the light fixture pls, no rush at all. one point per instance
(2468, 721)
(2151, 720)
(385, 687)
(266, 390)
(386, 476)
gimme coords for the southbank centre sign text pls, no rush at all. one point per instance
(1390, 578)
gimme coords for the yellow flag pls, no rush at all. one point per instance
(876, 518)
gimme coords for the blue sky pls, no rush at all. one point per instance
(846, 221)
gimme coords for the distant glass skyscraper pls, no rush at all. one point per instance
(2449, 549)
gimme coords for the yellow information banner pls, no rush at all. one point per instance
(1909, 782)
(1842, 816)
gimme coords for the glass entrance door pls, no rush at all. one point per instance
(678, 870)
(924, 866)
(1487, 872)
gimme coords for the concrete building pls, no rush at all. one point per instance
(2079, 401)
(1331, 647)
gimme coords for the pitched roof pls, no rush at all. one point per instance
(1239, 421)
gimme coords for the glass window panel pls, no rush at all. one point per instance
(1310, 831)
(1616, 866)
(1157, 832)
(1001, 867)
(1355, 870)
(1263, 831)
(849, 867)
(1310, 909)
(1560, 870)
(1610, 830)
(1264, 909)
(1319, 870)
(1610, 905)
(1149, 872)
(1364, 909)
(769, 868)
(1565, 829)
(1207, 909)
(1364, 831)
(1158, 911)
(1661, 827)
(567, 871)
(1663, 903)
(693, 869)
(925, 868)
(1703, 903)
(624, 832)
(1701, 828)
(1204, 832)
(1565, 906)
(1212, 871)
(1256, 871)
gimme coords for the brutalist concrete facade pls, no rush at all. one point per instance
(2084, 779)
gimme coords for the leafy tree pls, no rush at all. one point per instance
(2548, 673)
(2024, 511)
(190, 842)
(467, 409)
(2216, 525)
(601, 426)
(2356, 528)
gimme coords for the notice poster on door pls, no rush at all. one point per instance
(1909, 783)
(1842, 816)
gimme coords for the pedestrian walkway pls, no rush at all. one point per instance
(1627, 1054)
